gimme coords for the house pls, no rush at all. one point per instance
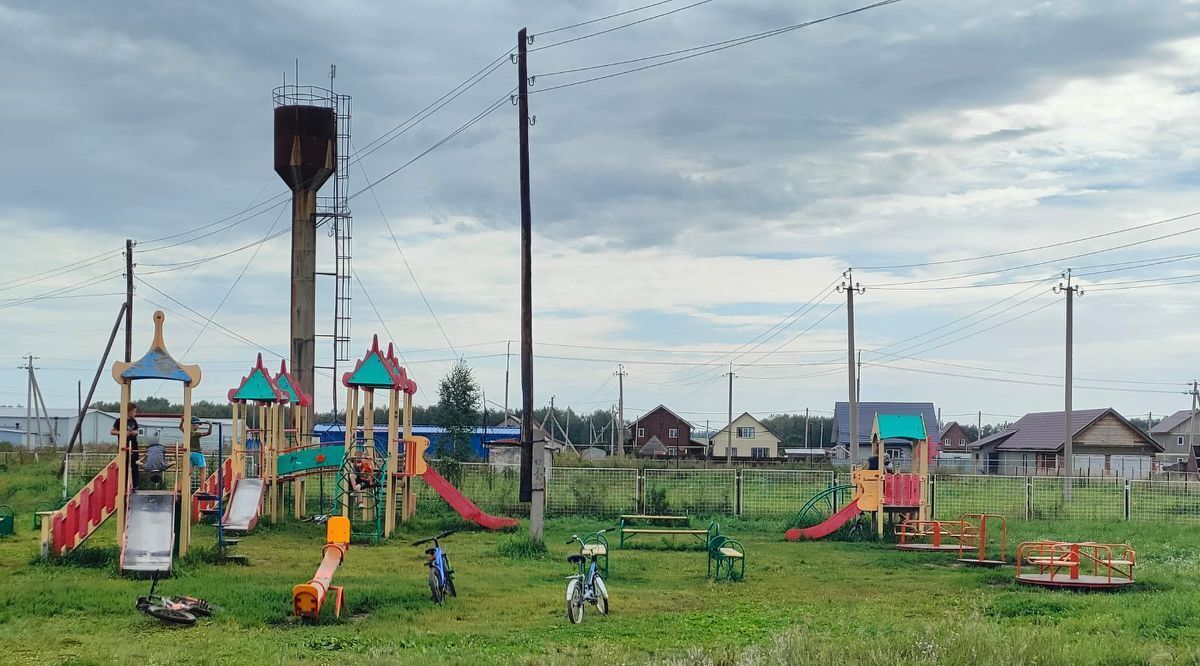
(1174, 433)
(805, 455)
(749, 438)
(899, 450)
(953, 437)
(1103, 443)
(661, 432)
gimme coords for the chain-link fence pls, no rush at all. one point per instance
(767, 492)
(689, 491)
(607, 492)
(591, 491)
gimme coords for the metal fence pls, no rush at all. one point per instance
(601, 492)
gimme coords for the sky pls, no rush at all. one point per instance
(689, 217)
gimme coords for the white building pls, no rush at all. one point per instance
(97, 426)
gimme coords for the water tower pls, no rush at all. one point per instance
(312, 139)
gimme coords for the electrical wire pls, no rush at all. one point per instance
(717, 46)
(386, 330)
(602, 18)
(620, 27)
(404, 258)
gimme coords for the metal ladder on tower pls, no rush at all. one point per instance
(335, 209)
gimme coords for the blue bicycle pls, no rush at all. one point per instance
(587, 585)
(441, 576)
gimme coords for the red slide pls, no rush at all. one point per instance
(831, 524)
(465, 507)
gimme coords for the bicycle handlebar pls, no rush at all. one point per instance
(434, 539)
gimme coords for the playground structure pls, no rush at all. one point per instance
(153, 526)
(308, 598)
(251, 481)
(973, 546)
(878, 491)
(1082, 565)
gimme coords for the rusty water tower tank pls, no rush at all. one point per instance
(305, 136)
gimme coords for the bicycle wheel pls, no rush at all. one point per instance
(601, 594)
(575, 603)
(171, 615)
(450, 584)
(196, 606)
(435, 587)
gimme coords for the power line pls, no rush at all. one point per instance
(619, 27)
(704, 50)
(61, 270)
(462, 128)
(1018, 381)
(386, 330)
(404, 258)
(602, 18)
(1047, 246)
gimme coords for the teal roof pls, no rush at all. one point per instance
(257, 387)
(900, 426)
(372, 372)
(286, 384)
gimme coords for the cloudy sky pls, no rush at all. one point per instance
(687, 216)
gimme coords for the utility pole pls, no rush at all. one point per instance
(128, 299)
(620, 374)
(858, 379)
(850, 287)
(612, 430)
(533, 473)
(1192, 421)
(28, 367)
(979, 425)
(507, 360)
(1068, 449)
(729, 428)
(806, 427)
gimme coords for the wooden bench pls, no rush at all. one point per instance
(628, 532)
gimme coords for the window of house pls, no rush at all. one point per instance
(758, 453)
(746, 432)
(673, 433)
(1047, 461)
(641, 432)
(1179, 440)
(672, 451)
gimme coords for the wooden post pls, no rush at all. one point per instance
(369, 439)
(351, 426)
(389, 486)
(185, 468)
(409, 505)
(923, 467)
(123, 471)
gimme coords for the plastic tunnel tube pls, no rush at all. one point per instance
(308, 598)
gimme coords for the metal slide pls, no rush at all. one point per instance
(149, 541)
(465, 507)
(831, 524)
(242, 514)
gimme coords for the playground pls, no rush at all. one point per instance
(818, 602)
(311, 550)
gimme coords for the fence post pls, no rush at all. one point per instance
(737, 492)
(1128, 499)
(932, 496)
(1028, 497)
(641, 490)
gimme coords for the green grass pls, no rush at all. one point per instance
(830, 602)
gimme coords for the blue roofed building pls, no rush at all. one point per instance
(439, 443)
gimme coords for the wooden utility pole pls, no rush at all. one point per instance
(1068, 449)
(128, 300)
(1192, 420)
(729, 428)
(850, 287)
(806, 427)
(620, 374)
(112, 337)
(533, 472)
(507, 360)
(28, 367)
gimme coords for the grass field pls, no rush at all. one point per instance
(824, 602)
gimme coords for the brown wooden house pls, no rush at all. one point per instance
(954, 437)
(661, 433)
